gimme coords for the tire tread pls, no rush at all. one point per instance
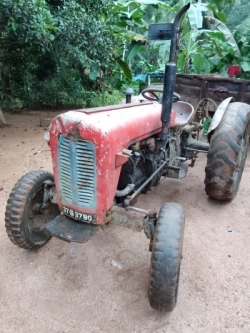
(15, 208)
(166, 257)
(223, 152)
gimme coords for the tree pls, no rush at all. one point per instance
(51, 49)
(237, 13)
(27, 28)
(2, 119)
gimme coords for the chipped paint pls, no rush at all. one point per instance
(110, 130)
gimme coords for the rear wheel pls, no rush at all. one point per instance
(166, 258)
(25, 219)
(227, 153)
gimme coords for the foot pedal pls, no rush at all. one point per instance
(70, 230)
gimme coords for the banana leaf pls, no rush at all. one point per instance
(217, 24)
(195, 15)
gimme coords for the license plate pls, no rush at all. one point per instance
(83, 217)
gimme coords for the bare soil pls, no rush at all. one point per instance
(101, 286)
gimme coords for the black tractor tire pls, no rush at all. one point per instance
(227, 153)
(166, 258)
(24, 221)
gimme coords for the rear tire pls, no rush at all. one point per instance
(166, 258)
(227, 153)
(25, 225)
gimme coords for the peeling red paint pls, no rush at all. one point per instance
(111, 131)
(120, 159)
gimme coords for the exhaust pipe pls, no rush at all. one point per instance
(170, 76)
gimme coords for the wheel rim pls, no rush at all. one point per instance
(240, 163)
(38, 217)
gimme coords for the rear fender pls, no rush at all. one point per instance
(218, 116)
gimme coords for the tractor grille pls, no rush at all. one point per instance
(77, 172)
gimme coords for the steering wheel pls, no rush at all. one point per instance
(157, 98)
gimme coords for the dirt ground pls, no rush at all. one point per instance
(101, 286)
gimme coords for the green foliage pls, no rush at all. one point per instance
(84, 38)
(206, 43)
(195, 15)
(208, 46)
(52, 50)
(70, 53)
(26, 21)
(130, 30)
(237, 13)
(13, 104)
(109, 97)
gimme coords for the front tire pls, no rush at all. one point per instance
(227, 153)
(24, 222)
(166, 258)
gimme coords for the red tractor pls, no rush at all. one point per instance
(103, 158)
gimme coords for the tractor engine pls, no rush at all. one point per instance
(141, 165)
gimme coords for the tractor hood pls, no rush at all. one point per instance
(88, 148)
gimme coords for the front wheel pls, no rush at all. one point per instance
(166, 258)
(25, 219)
(227, 153)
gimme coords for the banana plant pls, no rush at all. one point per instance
(207, 45)
(242, 36)
(130, 29)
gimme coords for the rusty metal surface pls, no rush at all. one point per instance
(69, 230)
(218, 116)
(110, 133)
(139, 190)
(183, 112)
(127, 218)
(110, 107)
(193, 88)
